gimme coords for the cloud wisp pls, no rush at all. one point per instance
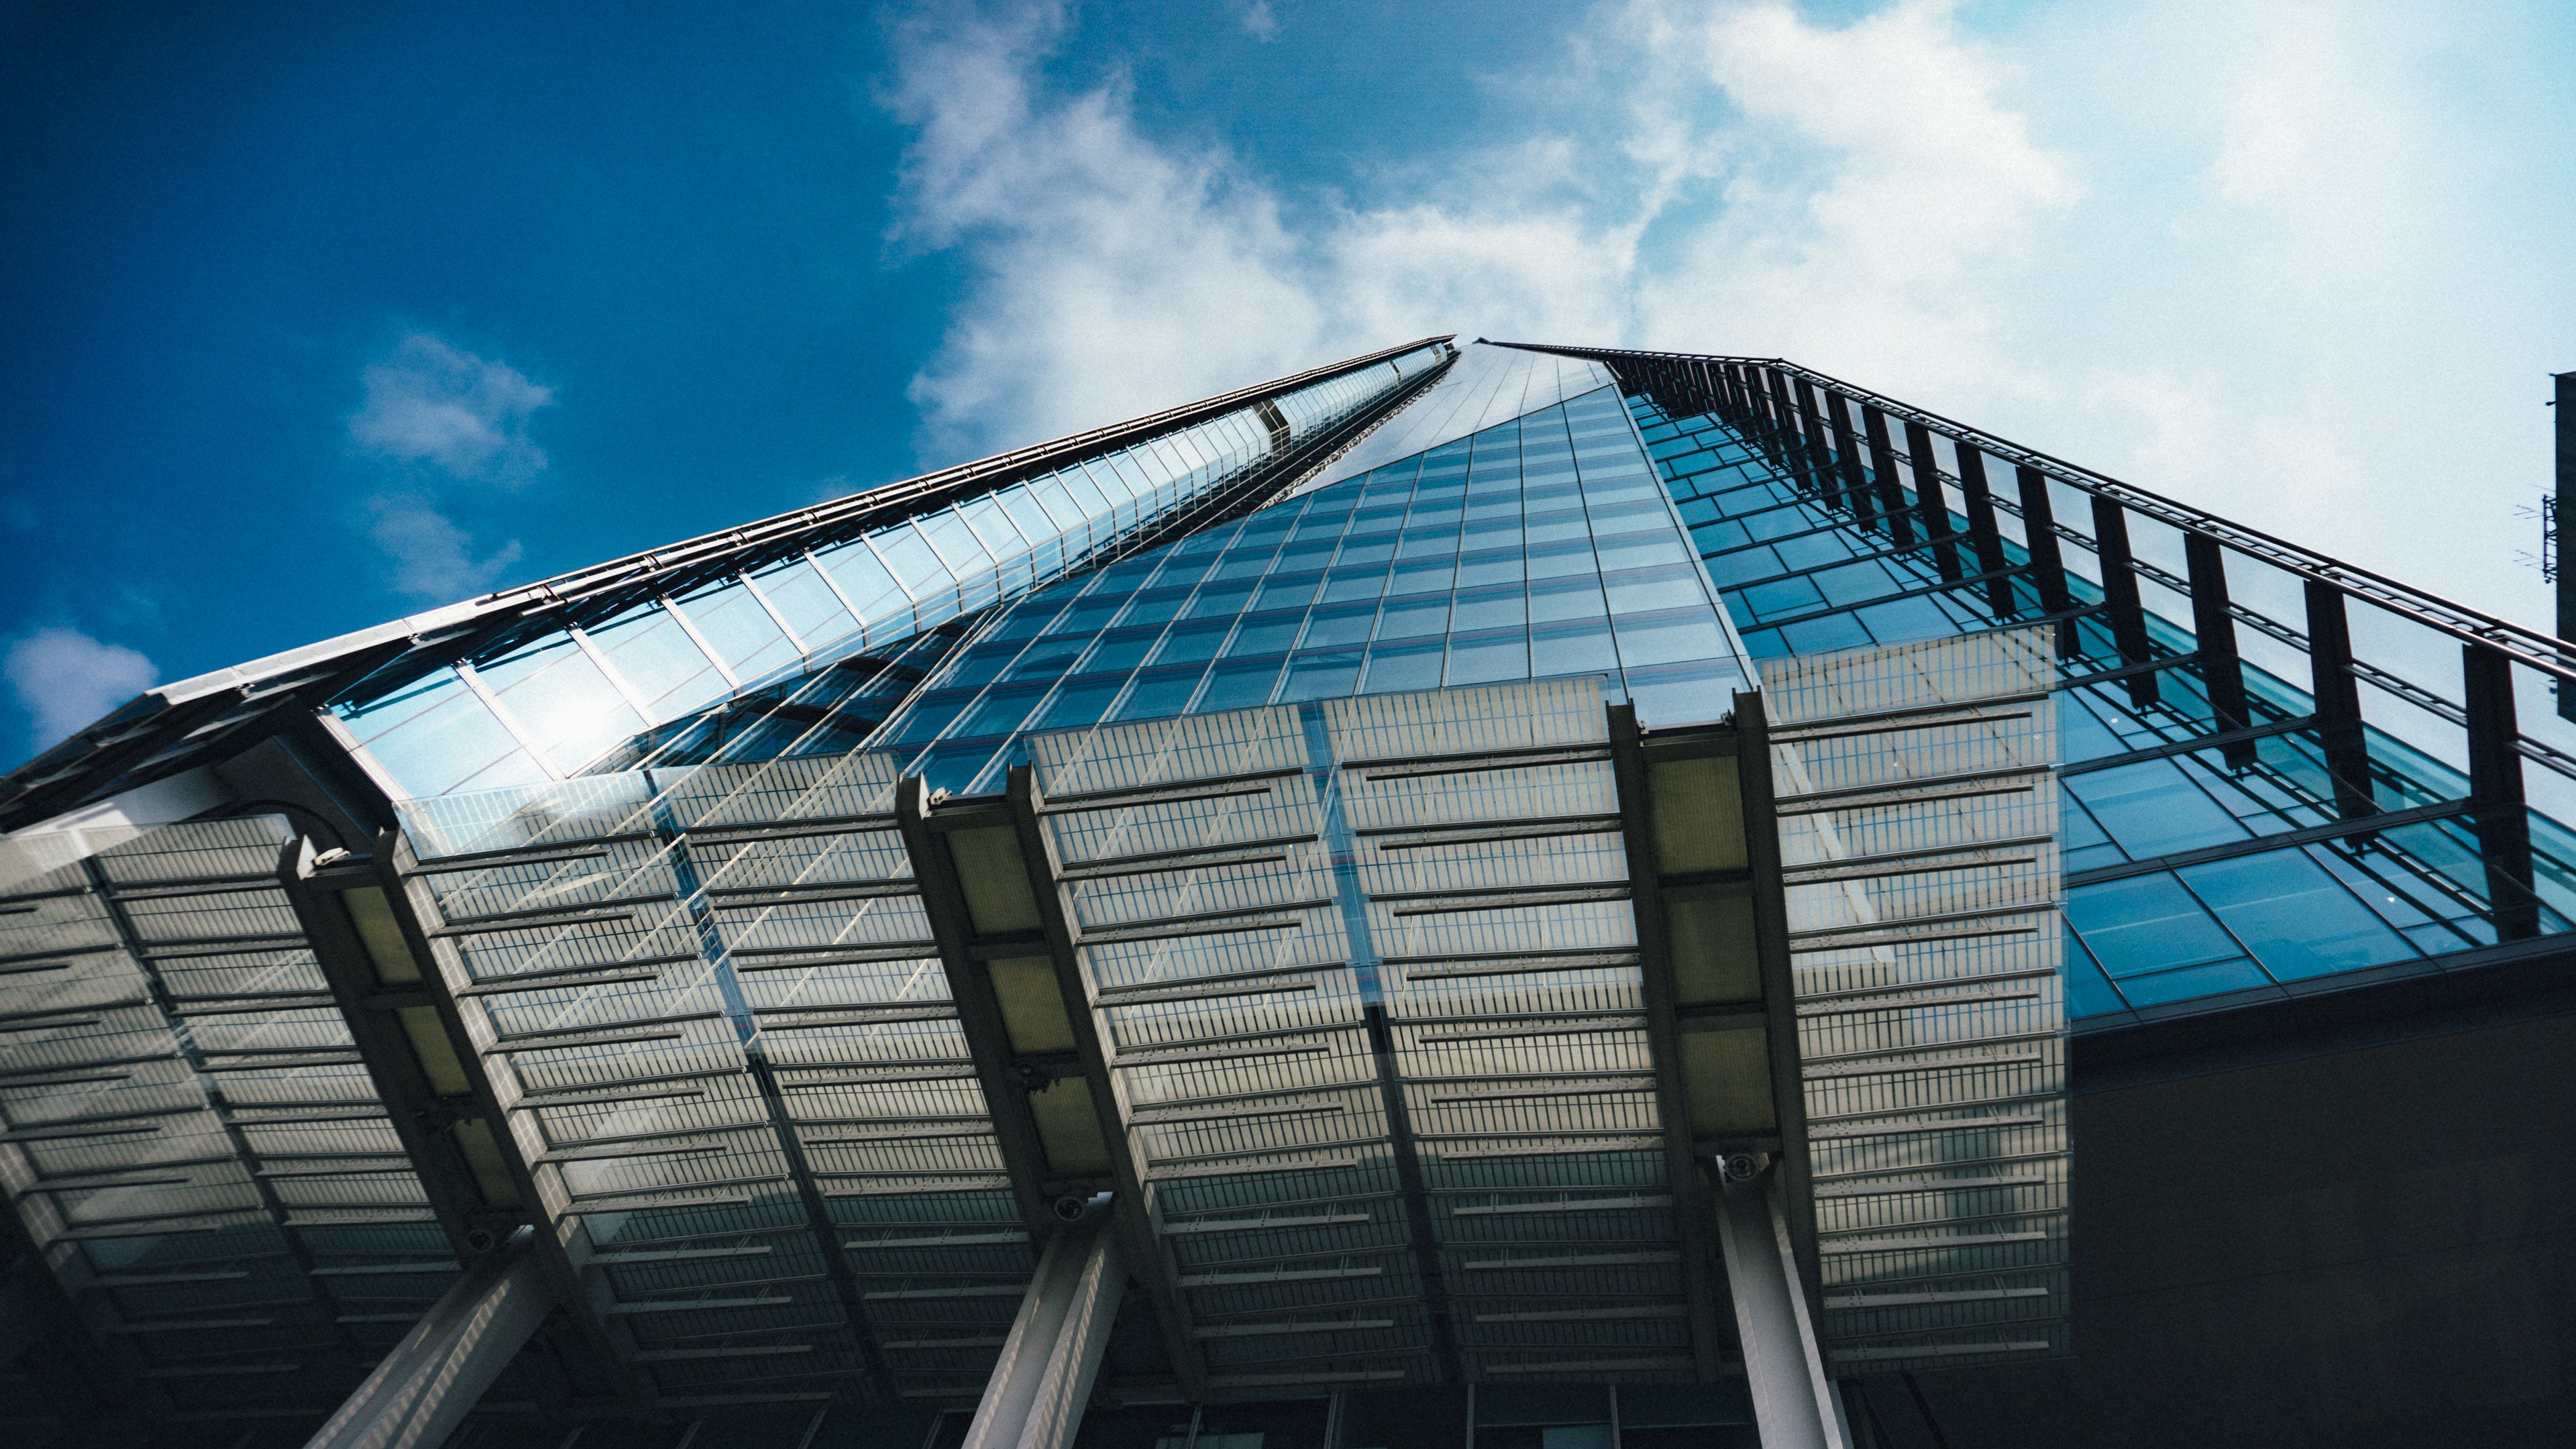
(464, 416)
(1688, 175)
(435, 419)
(64, 679)
(2194, 267)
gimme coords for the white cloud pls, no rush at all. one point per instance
(1111, 275)
(65, 679)
(437, 418)
(432, 558)
(2251, 275)
(463, 415)
(1259, 20)
(1770, 164)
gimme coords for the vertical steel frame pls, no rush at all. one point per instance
(979, 1010)
(1983, 535)
(1693, 1201)
(2495, 785)
(1882, 463)
(1928, 500)
(2120, 595)
(2338, 697)
(1131, 1211)
(2213, 628)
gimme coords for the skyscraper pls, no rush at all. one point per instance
(1542, 894)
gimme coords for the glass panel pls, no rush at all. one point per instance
(568, 708)
(910, 556)
(437, 736)
(809, 606)
(2151, 809)
(658, 659)
(864, 579)
(2293, 916)
(737, 627)
(2146, 923)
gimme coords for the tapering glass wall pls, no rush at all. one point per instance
(1538, 548)
(1817, 539)
(574, 700)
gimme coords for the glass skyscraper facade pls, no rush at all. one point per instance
(1448, 873)
(2194, 869)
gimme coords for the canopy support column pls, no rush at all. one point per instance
(1043, 1382)
(1794, 1403)
(424, 1388)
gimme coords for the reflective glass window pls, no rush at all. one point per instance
(2295, 918)
(569, 710)
(2151, 809)
(807, 603)
(2145, 924)
(436, 736)
(910, 556)
(861, 576)
(736, 626)
(660, 662)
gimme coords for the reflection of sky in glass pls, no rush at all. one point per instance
(566, 704)
(1542, 547)
(1796, 578)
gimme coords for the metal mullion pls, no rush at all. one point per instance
(1820, 453)
(1929, 501)
(2495, 782)
(1982, 533)
(2120, 594)
(956, 576)
(848, 605)
(1148, 1257)
(1892, 509)
(761, 598)
(504, 716)
(616, 678)
(2337, 696)
(1694, 1205)
(689, 626)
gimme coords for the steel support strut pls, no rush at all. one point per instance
(2213, 630)
(1039, 1388)
(423, 1389)
(2495, 783)
(1794, 1403)
(1691, 1199)
(1131, 1211)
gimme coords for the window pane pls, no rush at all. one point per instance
(2293, 916)
(2152, 810)
(2146, 923)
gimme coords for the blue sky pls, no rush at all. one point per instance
(311, 316)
